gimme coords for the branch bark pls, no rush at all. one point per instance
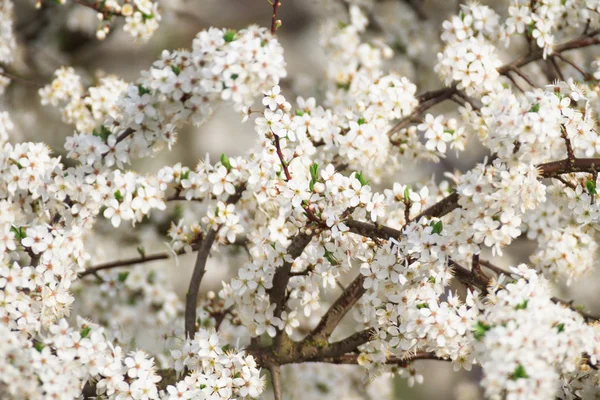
(191, 297)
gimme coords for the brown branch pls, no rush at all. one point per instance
(282, 274)
(132, 261)
(276, 4)
(93, 270)
(393, 360)
(339, 308)
(524, 76)
(430, 99)
(586, 75)
(427, 100)
(191, 297)
(276, 380)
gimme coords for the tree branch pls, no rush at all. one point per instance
(191, 297)
(339, 308)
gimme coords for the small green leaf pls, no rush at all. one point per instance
(431, 279)
(85, 331)
(361, 121)
(122, 277)
(480, 330)
(361, 179)
(437, 227)
(522, 306)
(591, 187)
(535, 108)
(185, 175)
(322, 387)
(225, 161)
(141, 251)
(407, 193)
(226, 347)
(146, 17)
(560, 327)
(314, 172)
(19, 232)
(299, 112)
(142, 90)
(331, 258)
(530, 28)
(151, 278)
(229, 36)
(422, 305)
(118, 195)
(39, 346)
(344, 86)
(176, 69)
(519, 372)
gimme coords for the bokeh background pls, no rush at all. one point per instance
(65, 35)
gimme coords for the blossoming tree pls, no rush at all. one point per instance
(310, 207)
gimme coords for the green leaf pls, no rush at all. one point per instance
(422, 305)
(299, 112)
(407, 193)
(142, 90)
(344, 86)
(226, 347)
(480, 330)
(331, 258)
(314, 172)
(225, 161)
(437, 227)
(185, 175)
(431, 279)
(39, 346)
(229, 36)
(519, 372)
(103, 133)
(535, 108)
(85, 331)
(361, 179)
(530, 28)
(522, 306)
(361, 121)
(591, 187)
(322, 387)
(141, 251)
(560, 327)
(19, 232)
(122, 277)
(118, 195)
(151, 278)
(176, 69)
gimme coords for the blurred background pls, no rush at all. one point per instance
(65, 35)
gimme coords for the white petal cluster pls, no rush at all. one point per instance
(182, 86)
(525, 342)
(215, 370)
(86, 112)
(8, 42)
(471, 64)
(566, 254)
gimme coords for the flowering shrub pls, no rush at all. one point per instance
(340, 263)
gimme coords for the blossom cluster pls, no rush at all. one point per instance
(309, 205)
(182, 86)
(524, 341)
(215, 370)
